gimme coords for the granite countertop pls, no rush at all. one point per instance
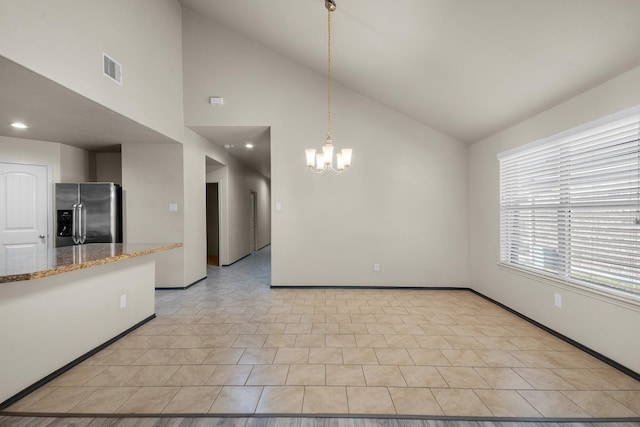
(17, 268)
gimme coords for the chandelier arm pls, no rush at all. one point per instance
(319, 172)
(335, 171)
(327, 169)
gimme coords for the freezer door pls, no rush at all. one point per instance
(100, 205)
(67, 196)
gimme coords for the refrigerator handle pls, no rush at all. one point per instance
(74, 224)
(82, 232)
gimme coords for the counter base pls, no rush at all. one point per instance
(51, 322)
(33, 387)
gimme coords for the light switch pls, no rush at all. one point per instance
(278, 206)
(173, 207)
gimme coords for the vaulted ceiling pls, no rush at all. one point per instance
(468, 68)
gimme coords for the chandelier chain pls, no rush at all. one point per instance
(322, 162)
(329, 73)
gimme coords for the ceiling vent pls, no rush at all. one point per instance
(111, 68)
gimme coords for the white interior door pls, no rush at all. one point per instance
(23, 211)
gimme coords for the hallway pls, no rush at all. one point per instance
(231, 344)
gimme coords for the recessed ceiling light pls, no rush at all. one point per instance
(19, 125)
(228, 145)
(248, 145)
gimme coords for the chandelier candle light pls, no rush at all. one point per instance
(323, 162)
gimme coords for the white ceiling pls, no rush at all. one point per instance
(468, 68)
(257, 158)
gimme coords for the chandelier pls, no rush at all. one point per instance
(323, 162)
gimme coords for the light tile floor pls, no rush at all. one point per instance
(234, 345)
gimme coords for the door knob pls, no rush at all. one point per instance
(42, 236)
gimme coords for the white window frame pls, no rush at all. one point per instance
(569, 203)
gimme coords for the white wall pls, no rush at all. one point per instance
(403, 203)
(607, 326)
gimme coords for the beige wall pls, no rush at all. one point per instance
(605, 325)
(30, 151)
(151, 179)
(195, 210)
(65, 163)
(402, 204)
(262, 187)
(74, 164)
(64, 41)
(108, 167)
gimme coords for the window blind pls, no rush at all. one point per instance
(570, 207)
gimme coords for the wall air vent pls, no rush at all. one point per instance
(111, 68)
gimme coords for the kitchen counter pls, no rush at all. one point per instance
(60, 306)
(69, 258)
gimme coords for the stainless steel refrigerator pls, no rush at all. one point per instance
(88, 212)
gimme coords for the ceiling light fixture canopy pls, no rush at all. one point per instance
(323, 162)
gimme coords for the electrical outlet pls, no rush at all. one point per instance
(123, 301)
(376, 266)
(557, 300)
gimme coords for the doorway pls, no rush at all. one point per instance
(213, 224)
(24, 217)
(253, 222)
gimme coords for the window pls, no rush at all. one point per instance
(570, 205)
